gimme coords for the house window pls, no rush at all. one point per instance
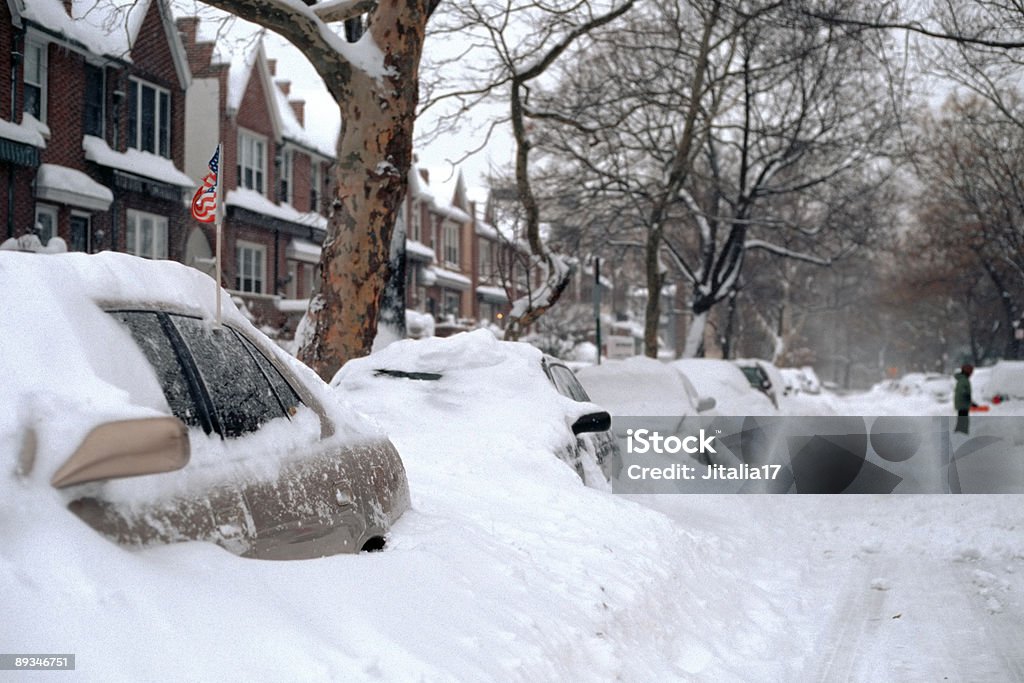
(450, 243)
(250, 260)
(149, 118)
(146, 235)
(292, 290)
(93, 106)
(81, 232)
(285, 183)
(252, 162)
(315, 178)
(35, 79)
(46, 222)
(485, 267)
(451, 304)
(415, 229)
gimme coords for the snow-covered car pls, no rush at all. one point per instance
(643, 387)
(1005, 380)
(155, 419)
(517, 392)
(763, 376)
(727, 384)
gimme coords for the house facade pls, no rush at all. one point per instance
(275, 177)
(92, 133)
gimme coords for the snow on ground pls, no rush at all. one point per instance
(508, 568)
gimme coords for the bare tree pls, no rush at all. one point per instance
(707, 134)
(516, 42)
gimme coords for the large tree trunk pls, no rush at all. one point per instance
(374, 155)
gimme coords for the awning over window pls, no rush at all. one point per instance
(299, 249)
(492, 295)
(450, 279)
(63, 185)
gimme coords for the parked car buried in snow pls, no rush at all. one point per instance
(155, 422)
(508, 391)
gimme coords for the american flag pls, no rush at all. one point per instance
(204, 202)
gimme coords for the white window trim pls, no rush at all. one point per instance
(315, 186)
(137, 142)
(159, 226)
(88, 230)
(33, 41)
(244, 163)
(288, 174)
(261, 251)
(450, 239)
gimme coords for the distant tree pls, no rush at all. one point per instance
(514, 44)
(704, 127)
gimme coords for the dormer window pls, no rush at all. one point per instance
(252, 161)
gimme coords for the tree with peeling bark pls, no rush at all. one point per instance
(374, 80)
(515, 43)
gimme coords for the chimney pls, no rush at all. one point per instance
(285, 86)
(425, 174)
(299, 107)
(187, 27)
(272, 65)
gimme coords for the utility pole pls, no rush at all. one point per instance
(597, 305)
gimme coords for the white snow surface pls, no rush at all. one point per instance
(509, 569)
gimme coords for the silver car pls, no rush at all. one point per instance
(251, 452)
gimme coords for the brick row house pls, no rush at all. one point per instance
(92, 133)
(107, 127)
(458, 262)
(275, 176)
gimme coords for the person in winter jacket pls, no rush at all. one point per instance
(962, 397)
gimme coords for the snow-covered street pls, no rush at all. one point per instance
(508, 568)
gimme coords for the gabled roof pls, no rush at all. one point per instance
(110, 28)
(240, 75)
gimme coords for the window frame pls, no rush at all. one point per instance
(286, 181)
(88, 108)
(132, 233)
(315, 180)
(258, 167)
(34, 43)
(451, 243)
(161, 119)
(254, 247)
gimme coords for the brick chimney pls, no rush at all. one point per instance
(272, 66)
(299, 107)
(285, 86)
(187, 27)
(425, 174)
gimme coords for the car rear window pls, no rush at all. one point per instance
(242, 396)
(148, 333)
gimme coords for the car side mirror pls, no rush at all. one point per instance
(593, 422)
(705, 403)
(127, 448)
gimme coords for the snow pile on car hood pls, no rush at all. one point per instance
(498, 387)
(636, 386)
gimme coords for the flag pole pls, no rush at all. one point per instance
(218, 213)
